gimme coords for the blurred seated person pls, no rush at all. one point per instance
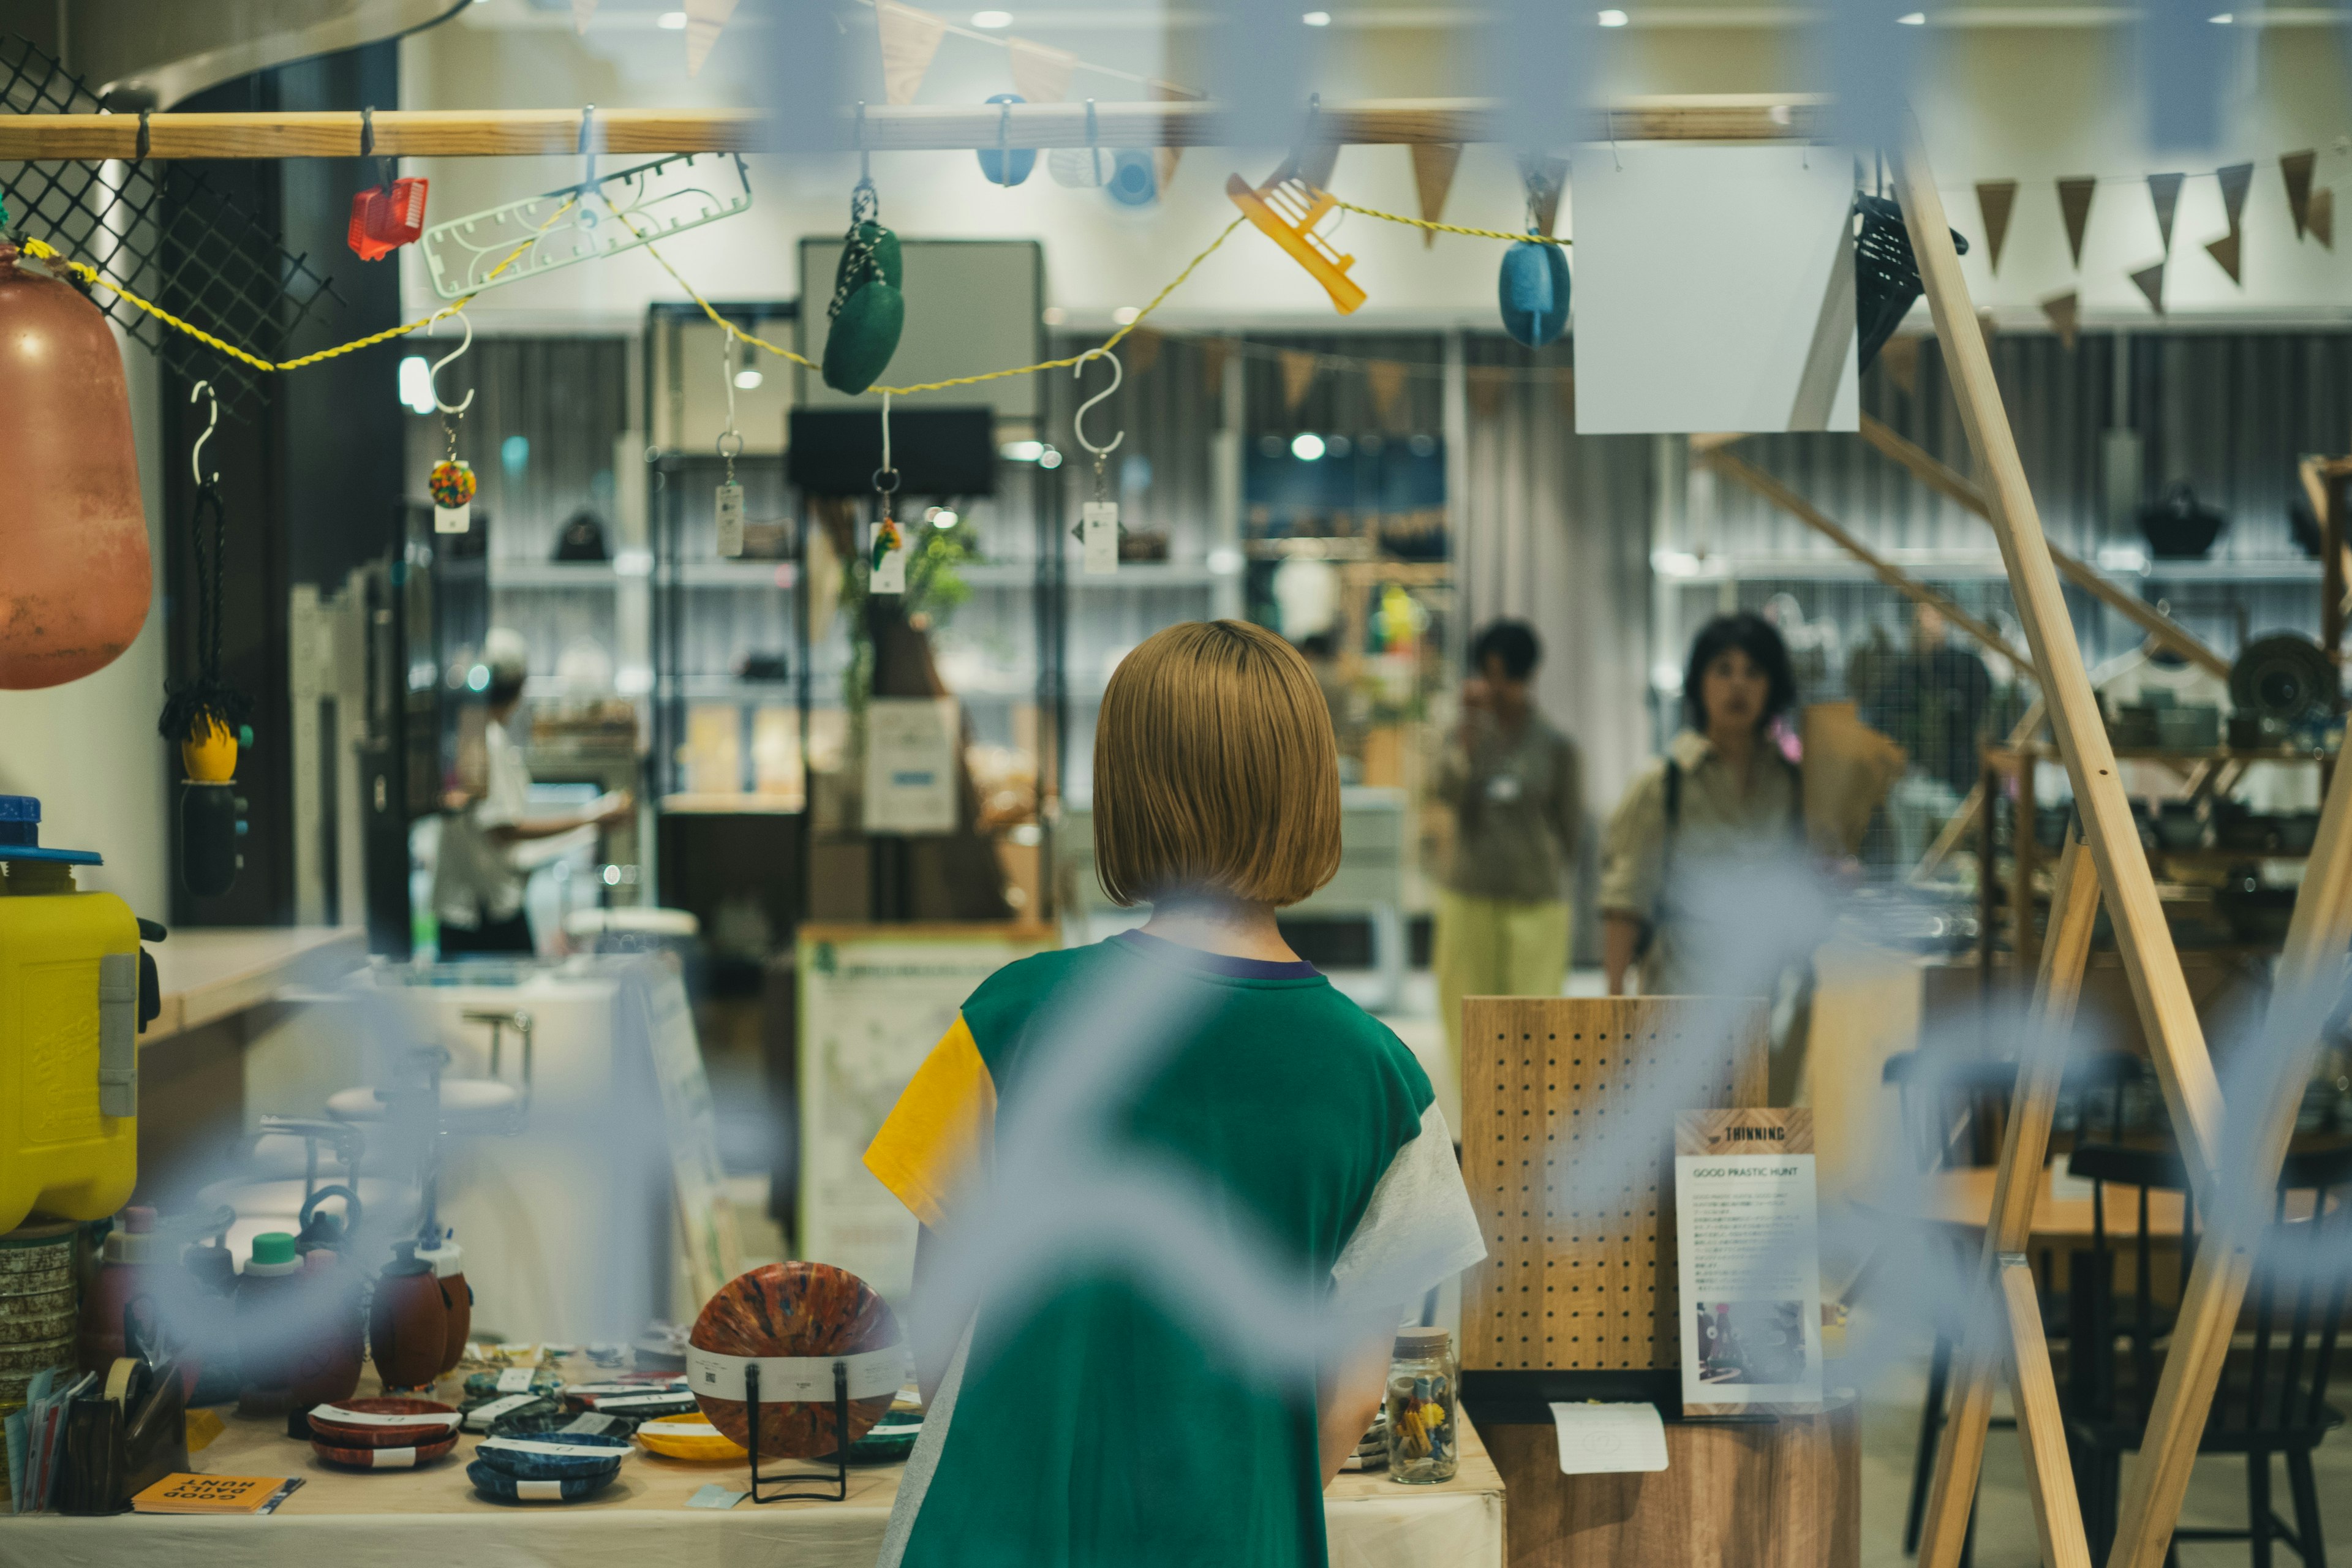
(478, 883)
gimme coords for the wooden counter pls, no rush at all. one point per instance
(209, 973)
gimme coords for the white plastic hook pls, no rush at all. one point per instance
(1078, 420)
(433, 376)
(212, 422)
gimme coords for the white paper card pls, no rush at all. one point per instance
(338, 1416)
(890, 572)
(730, 516)
(1099, 536)
(453, 519)
(515, 1380)
(482, 1417)
(539, 1491)
(911, 778)
(1749, 1260)
(391, 1459)
(2066, 1186)
(1610, 1440)
(1714, 290)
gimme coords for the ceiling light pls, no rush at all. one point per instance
(1125, 315)
(416, 384)
(1307, 446)
(943, 518)
(1912, 18)
(992, 19)
(2223, 20)
(1049, 459)
(671, 21)
(1612, 18)
(1022, 451)
(748, 380)
(1317, 19)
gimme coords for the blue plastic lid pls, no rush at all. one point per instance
(20, 835)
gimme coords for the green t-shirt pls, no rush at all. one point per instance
(1109, 1411)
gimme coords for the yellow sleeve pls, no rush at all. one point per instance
(941, 1132)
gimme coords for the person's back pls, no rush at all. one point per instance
(1177, 1188)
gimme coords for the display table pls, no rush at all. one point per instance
(1962, 1201)
(398, 1518)
(208, 973)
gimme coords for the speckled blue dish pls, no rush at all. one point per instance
(529, 1410)
(545, 1382)
(500, 1486)
(538, 1424)
(595, 1455)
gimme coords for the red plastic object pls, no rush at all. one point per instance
(385, 218)
(75, 578)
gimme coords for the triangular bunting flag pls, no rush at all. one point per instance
(1140, 351)
(1486, 390)
(1900, 355)
(2164, 190)
(1040, 75)
(1553, 172)
(2227, 254)
(1299, 369)
(2236, 181)
(1216, 352)
(2296, 168)
(581, 11)
(1385, 377)
(1994, 199)
(2151, 282)
(704, 21)
(1433, 164)
(2322, 217)
(1163, 162)
(2064, 312)
(2075, 200)
(910, 39)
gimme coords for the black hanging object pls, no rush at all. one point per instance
(210, 811)
(1885, 274)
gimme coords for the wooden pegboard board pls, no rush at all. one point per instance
(1579, 1270)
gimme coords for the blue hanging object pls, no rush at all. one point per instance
(1004, 164)
(1534, 292)
(1133, 182)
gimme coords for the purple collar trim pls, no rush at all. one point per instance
(1216, 962)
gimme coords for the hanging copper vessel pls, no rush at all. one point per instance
(74, 572)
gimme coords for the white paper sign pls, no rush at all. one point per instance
(890, 572)
(453, 519)
(1610, 1440)
(1714, 290)
(1749, 1259)
(729, 514)
(870, 1011)
(1099, 536)
(515, 1380)
(910, 774)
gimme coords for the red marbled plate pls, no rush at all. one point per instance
(795, 1309)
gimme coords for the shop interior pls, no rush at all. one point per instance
(569, 560)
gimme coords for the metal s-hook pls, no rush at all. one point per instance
(588, 146)
(433, 375)
(196, 453)
(1078, 420)
(1094, 142)
(886, 471)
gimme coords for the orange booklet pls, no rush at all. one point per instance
(215, 1494)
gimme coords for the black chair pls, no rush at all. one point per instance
(2272, 1398)
(1951, 1112)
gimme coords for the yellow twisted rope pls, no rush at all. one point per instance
(1444, 227)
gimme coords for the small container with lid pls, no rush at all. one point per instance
(1422, 1384)
(269, 1301)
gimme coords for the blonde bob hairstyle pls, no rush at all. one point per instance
(1215, 771)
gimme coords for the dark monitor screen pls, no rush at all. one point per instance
(939, 451)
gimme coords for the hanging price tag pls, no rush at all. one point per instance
(890, 559)
(1099, 536)
(453, 519)
(730, 520)
(452, 485)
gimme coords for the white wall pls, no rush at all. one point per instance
(2032, 104)
(89, 749)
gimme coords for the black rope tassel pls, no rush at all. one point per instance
(190, 712)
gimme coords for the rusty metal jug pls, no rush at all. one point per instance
(74, 572)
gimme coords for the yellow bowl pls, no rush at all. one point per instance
(689, 1436)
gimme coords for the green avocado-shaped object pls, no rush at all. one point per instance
(879, 244)
(864, 337)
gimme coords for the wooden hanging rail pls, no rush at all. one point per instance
(903, 128)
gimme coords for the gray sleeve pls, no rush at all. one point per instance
(1418, 1230)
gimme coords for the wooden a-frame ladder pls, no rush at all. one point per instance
(2234, 1153)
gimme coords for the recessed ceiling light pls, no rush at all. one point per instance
(1307, 446)
(1912, 18)
(1125, 315)
(416, 384)
(992, 19)
(1317, 19)
(943, 518)
(2223, 20)
(1612, 18)
(748, 380)
(671, 21)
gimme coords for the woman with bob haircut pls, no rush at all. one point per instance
(1722, 794)
(1097, 1418)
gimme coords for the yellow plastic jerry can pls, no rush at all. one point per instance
(68, 1032)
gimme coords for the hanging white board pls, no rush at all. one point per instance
(1714, 290)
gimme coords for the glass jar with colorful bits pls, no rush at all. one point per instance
(1423, 1380)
